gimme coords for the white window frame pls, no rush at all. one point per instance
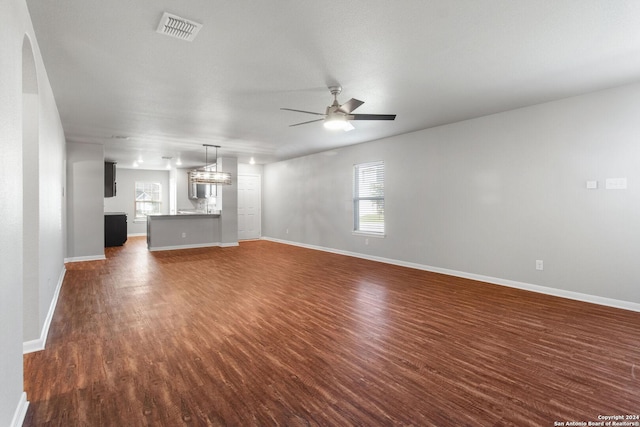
(157, 202)
(361, 194)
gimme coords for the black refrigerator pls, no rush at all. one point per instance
(115, 228)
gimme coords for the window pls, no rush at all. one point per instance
(148, 198)
(368, 198)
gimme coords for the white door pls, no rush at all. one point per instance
(249, 202)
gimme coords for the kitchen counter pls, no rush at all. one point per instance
(185, 215)
(182, 231)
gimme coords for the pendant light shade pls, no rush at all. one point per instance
(209, 174)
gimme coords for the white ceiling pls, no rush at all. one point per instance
(429, 62)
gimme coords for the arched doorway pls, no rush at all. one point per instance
(30, 195)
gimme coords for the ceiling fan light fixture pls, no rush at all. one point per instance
(336, 123)
(338, 117)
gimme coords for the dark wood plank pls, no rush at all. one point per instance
(269, 334)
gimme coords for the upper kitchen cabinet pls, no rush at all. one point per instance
(109, 179)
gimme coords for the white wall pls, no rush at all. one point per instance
(488, 196)
(14, 24)
(247, 169)
(85, 200)
(228, 195)
(124, 201)
(52, 204)
(30, 207)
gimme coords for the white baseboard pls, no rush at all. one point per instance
(136, 234)
(21, 411)
(197, 245)
(39, 344)
(172, 248)
(229, 245)
(85, 258)
(594, 299)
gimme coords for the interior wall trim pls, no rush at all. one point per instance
(85, 258)
(39, 344)
(229, 245)
(21, 411)
(136, 234)
(197, 245)
(578, 296)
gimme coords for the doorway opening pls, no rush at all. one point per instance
(30, 195)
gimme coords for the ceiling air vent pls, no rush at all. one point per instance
(180, 28)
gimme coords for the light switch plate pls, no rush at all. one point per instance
(592, 185)
(616, 184)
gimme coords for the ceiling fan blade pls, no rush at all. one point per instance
(302, 111)
(304, 123)
(350, 105)
(372, 117)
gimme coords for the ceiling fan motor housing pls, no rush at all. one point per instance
(332, 110)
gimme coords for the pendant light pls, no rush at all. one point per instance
(208, 174)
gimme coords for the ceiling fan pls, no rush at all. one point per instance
(339, 116)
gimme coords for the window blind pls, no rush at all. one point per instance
(148, 199)
(368, 197)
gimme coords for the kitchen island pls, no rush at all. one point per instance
(182, 231)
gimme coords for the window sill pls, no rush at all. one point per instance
(369, 234)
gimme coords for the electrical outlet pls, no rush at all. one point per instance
(287, 231)
(366, 241)
(184, 235)
(539, 264)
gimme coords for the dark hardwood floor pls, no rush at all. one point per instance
(267, 334)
